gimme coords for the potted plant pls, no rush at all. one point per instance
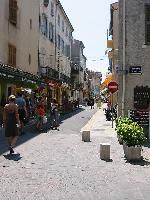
(133, 139)
(120, 127)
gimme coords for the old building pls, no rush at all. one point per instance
(78, 69)
(134, 59)
(19, 29)
(55, 48)
(112, 45)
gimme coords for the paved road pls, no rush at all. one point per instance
(58, 166)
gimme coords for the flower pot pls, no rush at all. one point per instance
(132, 153)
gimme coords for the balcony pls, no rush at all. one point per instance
(50, 73)
(64, 78)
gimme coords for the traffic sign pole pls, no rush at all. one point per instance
(112, 87)
(112, 109)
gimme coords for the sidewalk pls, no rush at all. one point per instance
(59, 166)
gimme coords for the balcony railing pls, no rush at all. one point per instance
(50, 73)
(64, 78)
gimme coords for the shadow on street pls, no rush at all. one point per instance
(31, 133)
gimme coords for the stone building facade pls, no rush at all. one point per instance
(55, 48)
(19, 34)
(134, 30)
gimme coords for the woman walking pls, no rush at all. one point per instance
(40, 112)
(11, 122)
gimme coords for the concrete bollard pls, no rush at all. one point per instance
(86, 136)
(105, 151)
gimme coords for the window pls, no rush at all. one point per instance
(52, 9)
(30, 24)
(13, 12)
(44, 25)
(62, 45)
(147, 24)
(58, 20)
(58, 44)
(11, 55)
(67, 51)
(29, 59)
(63, 26)
(70, 36)
(66, 32)
(46, 2)
(51, 32)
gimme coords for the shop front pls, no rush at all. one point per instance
(11, 79)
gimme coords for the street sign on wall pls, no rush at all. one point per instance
(135, 70)
(112, 86)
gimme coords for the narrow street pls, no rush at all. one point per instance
(58, 165)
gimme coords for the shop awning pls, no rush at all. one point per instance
(16, 75)
(106, 81)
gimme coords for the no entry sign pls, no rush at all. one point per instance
(112, 86)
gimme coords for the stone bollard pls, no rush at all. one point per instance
(105, 151)
(86, 136)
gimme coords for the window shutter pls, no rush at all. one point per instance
(13, 11)
(147, 24)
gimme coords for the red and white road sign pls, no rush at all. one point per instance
(112, 86)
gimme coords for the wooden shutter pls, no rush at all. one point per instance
(13, 11)
(11, 55)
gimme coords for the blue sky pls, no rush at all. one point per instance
(90, 20)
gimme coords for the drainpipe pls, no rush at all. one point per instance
(124, 56)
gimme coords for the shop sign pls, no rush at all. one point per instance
(135, 70)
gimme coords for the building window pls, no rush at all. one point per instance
(44, 25)
(46, 2)
(58, 44)
(62, 46)
(30, 24)
(13, 12)
(70, 36)
(63, 26)
(58, 20)
(11, 55)
(66, 32)
(52, 9)
(147, 24)
(29, 59)
(51, 32)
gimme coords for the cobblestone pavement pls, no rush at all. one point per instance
(58, 166)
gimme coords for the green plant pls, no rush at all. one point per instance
(120, 122)
(132, 134)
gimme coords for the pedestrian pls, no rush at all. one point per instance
(20, 101)
(92, 103)
(11, 122)
(40, 112)
(54, 114)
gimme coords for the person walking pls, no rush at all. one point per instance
(40, 112)
(54, 114)
(92, 103)
(11, 122)
(20, 101)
